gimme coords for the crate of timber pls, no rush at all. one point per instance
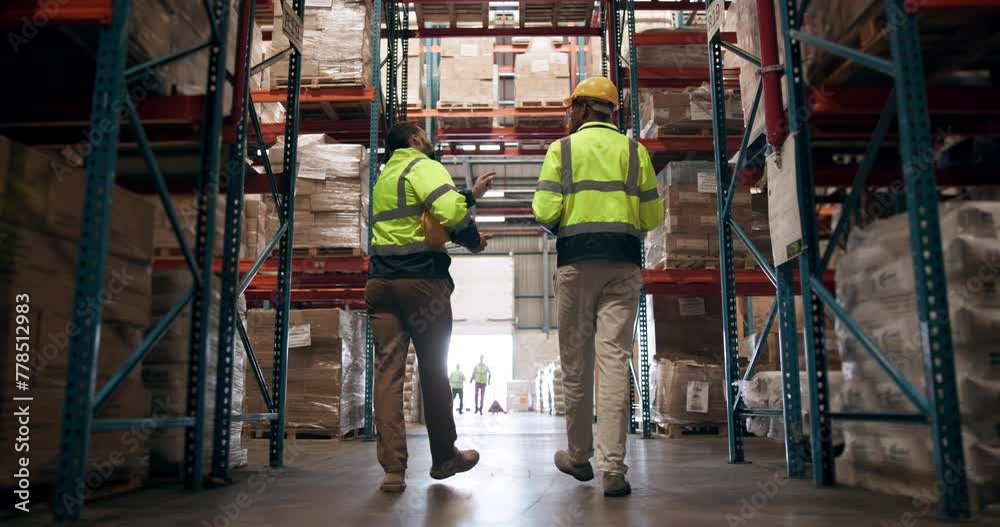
(875, 284)
(541, 80)
(331, 198)
(325, 396)
(337, 42)
(40, 221)
(689, 236)
(690, 395)
(685, 112)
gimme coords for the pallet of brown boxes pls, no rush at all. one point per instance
(337, 45)
(331, 198)
(541, 80)
(468, 81)
(42, 204)
(326, 366)
(689, 236)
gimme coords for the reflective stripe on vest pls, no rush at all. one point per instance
(402, 210)
(567, 186)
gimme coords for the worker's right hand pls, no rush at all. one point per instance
(483, 238)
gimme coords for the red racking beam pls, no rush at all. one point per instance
(679, 5)
(40, 13)
(307, 95)
(705, 282)
(546, 31)
(679, 38)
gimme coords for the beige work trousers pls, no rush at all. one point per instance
(598, 302)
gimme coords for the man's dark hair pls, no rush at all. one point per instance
(399, 136)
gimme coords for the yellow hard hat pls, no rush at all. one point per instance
(599, 88)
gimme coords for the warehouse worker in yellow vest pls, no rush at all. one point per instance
(456, 379)
(481, 376)
(597, 193)
(415, 210)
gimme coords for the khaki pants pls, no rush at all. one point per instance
(400, 310)
(598, 302)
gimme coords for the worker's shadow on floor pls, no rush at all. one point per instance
(447, 506)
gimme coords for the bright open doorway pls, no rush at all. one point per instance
(497, 352)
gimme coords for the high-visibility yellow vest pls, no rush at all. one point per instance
(597, 180)
(456, 379)
(481, 373)
(409, 184)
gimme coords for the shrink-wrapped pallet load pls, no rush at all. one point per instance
(875, 284)
(467, 80)
(337, 45)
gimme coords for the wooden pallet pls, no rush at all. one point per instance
(334, 252)
(539, 122)
(462, 106)
(538, 104)
(317, 82)
(676, 430)
(297, 434)
(328, 111)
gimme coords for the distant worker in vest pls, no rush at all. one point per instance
(416, 210)
(457, 379)
(481, 376)
(597, 194)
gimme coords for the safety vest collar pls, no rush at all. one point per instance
(597, 124)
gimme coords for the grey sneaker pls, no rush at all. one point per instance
(394, 482)
(616, 486)
(463, 461)
(582, 472)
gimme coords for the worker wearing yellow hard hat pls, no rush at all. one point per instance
(597, 193)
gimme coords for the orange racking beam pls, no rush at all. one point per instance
(39, 13)
(307, 95)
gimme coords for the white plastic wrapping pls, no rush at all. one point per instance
(337, 41)
(875, 283)
(238, 456)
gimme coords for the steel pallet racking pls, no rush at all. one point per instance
(790, 134)
(111, 104)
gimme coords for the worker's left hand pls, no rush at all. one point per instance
(483, 183)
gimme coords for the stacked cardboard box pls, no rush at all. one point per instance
(688, 328)
(558, 391)
(254, 226)
(467, 77)
(410, 387)
(683, 112)
(689, 237)
(165, 372)
(671, 56)
(325, 367)
(688, 392)
(518, 399)
(41, 204)
(186, 206)
(158, 28)
(541, 79)
(338, 45)
(415, 73)
(876, 284)
(331, 196)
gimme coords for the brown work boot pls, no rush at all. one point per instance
(616, 486)
(394, 482)
(582, 471)
(462, 461)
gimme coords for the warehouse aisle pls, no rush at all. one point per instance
(676, 482)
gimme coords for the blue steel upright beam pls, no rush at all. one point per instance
(917, 150)
(372, 176)
(727, 265)
(81, 371)
(795, 446)
(207, 191)
(283, 298)
(643, 321)
(821, 431)
(233, 233)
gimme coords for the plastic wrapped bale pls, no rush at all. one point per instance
(690, 234)
(764, 391)
(165, 373)
(353, 360)
(337, 42)
(875, 284)
(331, 196)
(238, 456)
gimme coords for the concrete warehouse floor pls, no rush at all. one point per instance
(680, 482)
